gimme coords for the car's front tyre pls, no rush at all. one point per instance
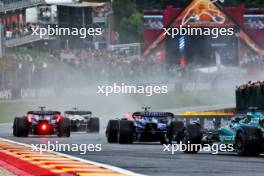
(248, 141)
(175, 132)
(192, 138)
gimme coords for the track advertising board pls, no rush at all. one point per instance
(153, 22)
(254, 21)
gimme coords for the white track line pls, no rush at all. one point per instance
(5, 124)
(114, 168)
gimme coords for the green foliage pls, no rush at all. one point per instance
(128, 21)
(128, 16)
(123, 8)
(131, 28)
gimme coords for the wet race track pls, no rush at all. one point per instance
(149, 158)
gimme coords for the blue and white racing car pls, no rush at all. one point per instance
(142, 126)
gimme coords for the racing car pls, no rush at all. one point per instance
(141, 126)
(83, 121)
(244, 131)
(42, 122)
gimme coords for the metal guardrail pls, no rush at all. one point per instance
(207, 122)
(13, 5)
(24, 40)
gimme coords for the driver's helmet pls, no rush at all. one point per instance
(235, 119)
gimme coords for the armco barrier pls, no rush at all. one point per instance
(35, 93)
(6, 94)
(250, 97)
(207, 122)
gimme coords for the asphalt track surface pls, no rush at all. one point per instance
(149, 158)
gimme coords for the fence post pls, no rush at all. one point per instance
(2, 46)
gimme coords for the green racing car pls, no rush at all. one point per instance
(245, 132)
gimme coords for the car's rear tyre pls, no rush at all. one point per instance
(20, 127)
(176, 131)
(64, 128)
(192, 138)
(125, 132)
(93, 125)
(15, 129)
(112, 130)
(248, 141)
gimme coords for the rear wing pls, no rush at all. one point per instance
(44, 112)
(153, 114)
(78, 112)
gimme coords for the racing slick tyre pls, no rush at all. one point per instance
(125, 132)
(165, 140)
(192, 138)
(20, 127)
(111, 131)
(176, 131)
(75, 125)
(64, 128)
(248, 141)
(93, 126)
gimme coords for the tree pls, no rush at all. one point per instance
(128, 21)
(131, 28)
(128, 14)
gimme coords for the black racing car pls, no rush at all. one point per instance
(142, 126)
(83, 121)
(42, 122)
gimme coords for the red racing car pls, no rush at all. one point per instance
(42, 122)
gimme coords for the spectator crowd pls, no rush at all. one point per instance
(80, 67)
(251, 84)
(14, 31)
(71, 67)
(116, 64)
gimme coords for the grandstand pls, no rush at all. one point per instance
(11, 5)
(12, 15)
(17, 29)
